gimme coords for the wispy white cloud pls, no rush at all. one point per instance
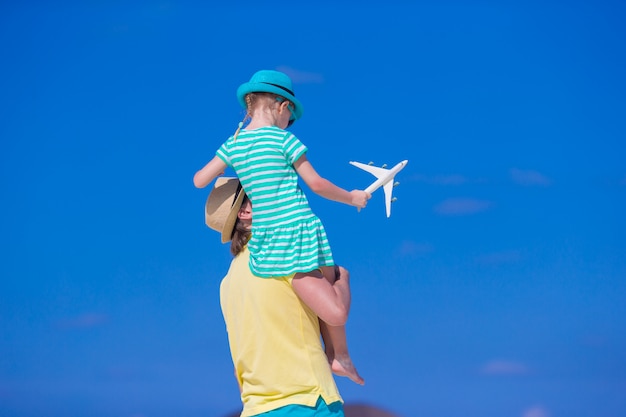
(536, 411)
(460, 206)
(4, 391)
(83, 321)
(164, 5)
(504, 367)
(301, 77)
(452, 179)
(498, 258)
(529, 178)
(410, 248)
(120, 28)
(446, 179)
(125, 373)
(594, 341)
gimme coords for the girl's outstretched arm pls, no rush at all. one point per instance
(327, 189)
(209, 172)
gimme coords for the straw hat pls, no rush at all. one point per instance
(222, 206)
(269, 81)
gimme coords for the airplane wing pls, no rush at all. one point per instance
(387, 188)
(384, 178)
(375, 171)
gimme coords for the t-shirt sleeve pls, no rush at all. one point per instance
(293, 148)
(224, 154)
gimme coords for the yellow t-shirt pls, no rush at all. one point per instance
(274, 342)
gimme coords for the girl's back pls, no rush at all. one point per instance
(263, 160)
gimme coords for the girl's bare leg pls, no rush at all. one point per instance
(336, 343)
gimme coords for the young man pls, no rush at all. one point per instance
(273, 324)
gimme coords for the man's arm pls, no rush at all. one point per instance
(331, 302)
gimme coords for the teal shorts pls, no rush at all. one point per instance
(321, 409)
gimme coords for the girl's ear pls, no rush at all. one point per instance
(283, 105)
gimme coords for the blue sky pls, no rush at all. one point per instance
(495, 289)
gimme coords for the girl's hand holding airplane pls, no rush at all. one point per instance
(359, 198)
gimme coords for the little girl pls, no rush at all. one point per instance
(287, 238)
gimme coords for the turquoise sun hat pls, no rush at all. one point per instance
(269, 81)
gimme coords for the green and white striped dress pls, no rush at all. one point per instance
(286, 236)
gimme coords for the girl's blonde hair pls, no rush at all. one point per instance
(253, 100)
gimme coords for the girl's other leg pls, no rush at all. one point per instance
(336, 343)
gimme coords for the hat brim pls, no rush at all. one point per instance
(231, 219)
(222, 206)
(250, 87)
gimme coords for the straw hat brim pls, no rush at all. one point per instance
(222, 206)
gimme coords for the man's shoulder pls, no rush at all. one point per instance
(242, 258)
(240, 265)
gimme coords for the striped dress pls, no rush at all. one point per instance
(286, 236)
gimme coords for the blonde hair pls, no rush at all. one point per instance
(254, 100)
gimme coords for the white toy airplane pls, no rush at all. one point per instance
(385, 179)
